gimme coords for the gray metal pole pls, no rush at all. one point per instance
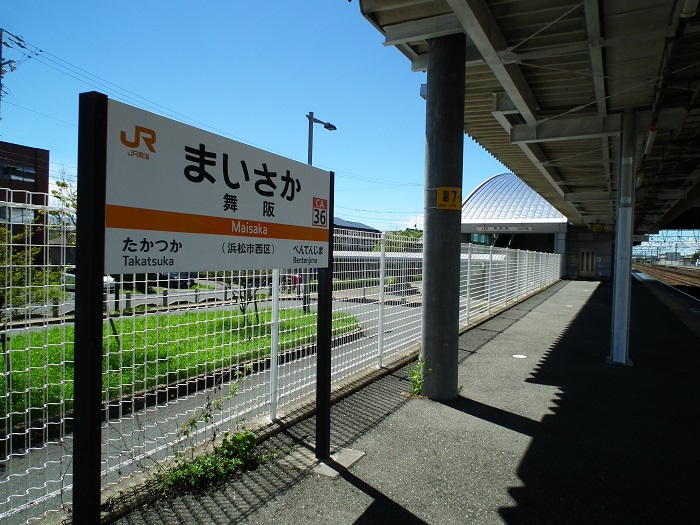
(305, 297)
(382, 284)
(310, 143)
(444, 151)
(623, 242)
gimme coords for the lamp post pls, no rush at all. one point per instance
(312, 121)
(330, 127)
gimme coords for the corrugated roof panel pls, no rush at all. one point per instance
(567, 60)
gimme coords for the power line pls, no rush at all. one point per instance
(121, 94)
(13, 42)
(42, 114)
(379, 212)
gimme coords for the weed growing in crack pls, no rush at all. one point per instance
(416, 374)
(233, 453)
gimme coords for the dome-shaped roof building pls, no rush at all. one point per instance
(505, 200)
(504, 211)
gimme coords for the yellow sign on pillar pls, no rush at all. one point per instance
(449, 198)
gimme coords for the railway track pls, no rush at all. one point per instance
(685, 279)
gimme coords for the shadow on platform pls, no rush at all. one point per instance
(621, 445)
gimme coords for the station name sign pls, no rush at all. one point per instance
(497, 229)
(179, 198)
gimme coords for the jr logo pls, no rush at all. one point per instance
(140, 133)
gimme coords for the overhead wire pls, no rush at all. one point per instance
(75, 72)
(124, 95)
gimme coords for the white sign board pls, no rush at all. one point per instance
(182, 199)
(497, 229)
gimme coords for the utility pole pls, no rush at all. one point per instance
(2, 66)
(11, 63)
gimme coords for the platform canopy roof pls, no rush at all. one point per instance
(547, 82)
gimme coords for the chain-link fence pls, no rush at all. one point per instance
(189, 355)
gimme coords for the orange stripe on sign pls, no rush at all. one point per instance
(170, 221)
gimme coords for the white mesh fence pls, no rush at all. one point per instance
(36, 387)
(189, 355)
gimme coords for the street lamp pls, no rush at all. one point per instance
(312, 121)
(330, 127)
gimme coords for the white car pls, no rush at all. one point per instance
(68, 279)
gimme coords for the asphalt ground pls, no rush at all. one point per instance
(556, 435)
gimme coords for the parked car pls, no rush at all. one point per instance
(68, 279)
(176, 279)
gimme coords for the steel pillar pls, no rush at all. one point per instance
(444, 151)
(560, 248)
(623, 243)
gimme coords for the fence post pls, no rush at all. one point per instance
(528, 281)
(506, 285)
(469, 280)
(559, 267)
(4, 343)
(274, 351)
(382, 282)
(117, 294)
(488, 293)
(364, 280)
(128, 301)
(517, 275)
(526, 273)
(165, 297)
(550, 270)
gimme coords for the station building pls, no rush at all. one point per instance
(503, 211)
(24, 175)
(24, 187)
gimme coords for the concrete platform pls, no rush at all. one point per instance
(543, 431)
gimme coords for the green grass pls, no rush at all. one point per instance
(145, 353)
(199, 286)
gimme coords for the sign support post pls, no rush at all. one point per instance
(324, 342)
(87, 437)
(253, 209)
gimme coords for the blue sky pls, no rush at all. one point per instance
(250, 71)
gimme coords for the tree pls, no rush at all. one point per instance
(408, 240)
(66, 195)
(24, 278)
